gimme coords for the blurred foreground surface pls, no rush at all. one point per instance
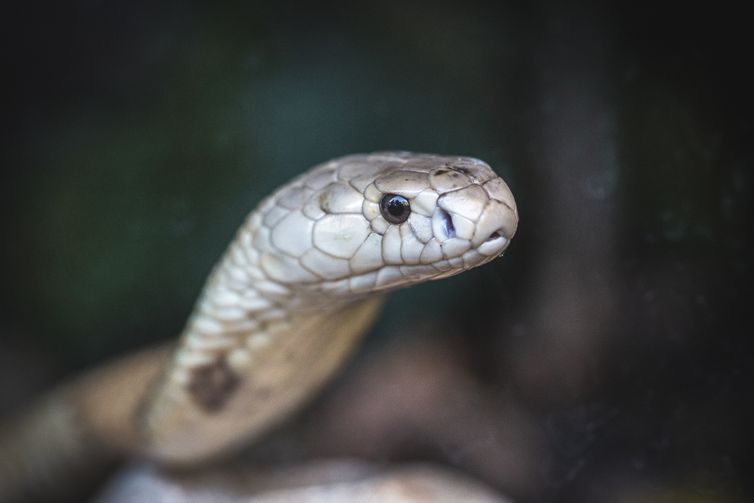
(331, 482)
(606, 357)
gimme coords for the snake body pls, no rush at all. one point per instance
(303, 278)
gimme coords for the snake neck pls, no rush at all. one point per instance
(243, 310)
(250, 339)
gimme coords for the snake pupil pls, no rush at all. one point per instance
(394, 208)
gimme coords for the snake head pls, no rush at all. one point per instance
(380, 221)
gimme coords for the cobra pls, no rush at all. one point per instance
(303, 278)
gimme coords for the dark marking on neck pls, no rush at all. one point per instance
(212, 385)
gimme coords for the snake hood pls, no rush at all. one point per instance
(366, 223)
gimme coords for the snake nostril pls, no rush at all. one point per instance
(447, 224)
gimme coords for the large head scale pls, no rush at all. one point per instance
(372, 222)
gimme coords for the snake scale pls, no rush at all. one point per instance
(302, 279)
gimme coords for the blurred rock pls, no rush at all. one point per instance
(321, 482)
(419, 398)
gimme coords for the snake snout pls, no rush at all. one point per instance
(495, 228)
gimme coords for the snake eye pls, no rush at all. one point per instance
(394, 208)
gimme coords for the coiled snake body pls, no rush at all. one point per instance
(300, 282)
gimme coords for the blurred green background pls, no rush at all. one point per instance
(136, 136)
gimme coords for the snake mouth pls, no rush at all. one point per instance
(494, 244)
(493, 236)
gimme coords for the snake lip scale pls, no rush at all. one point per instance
(303, 278)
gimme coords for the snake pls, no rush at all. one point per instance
(303, 278)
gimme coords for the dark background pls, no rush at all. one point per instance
(607, 357)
